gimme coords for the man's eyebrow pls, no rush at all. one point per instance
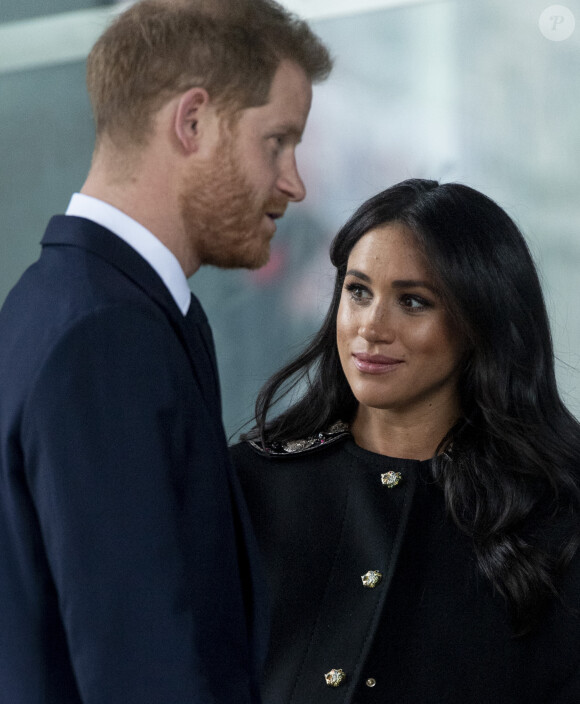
(288, 128)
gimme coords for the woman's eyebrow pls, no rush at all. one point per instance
(398, 283)
(358, 274)
(413, 283)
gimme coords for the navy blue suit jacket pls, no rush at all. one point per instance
(125, 559)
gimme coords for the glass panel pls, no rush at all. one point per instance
(465, 90)
(45, 150)
(13, 10)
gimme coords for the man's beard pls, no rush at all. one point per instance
(223, 216)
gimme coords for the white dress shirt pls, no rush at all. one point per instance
(140, 239)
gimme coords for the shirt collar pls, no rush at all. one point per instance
(140, 239)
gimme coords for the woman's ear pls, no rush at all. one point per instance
(192, 110)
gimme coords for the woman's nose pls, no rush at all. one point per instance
(376, 325)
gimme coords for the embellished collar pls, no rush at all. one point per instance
(329, 435)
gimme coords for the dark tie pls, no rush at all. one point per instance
(200, 341)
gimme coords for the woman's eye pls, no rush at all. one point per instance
(358, 292)
(413, 302)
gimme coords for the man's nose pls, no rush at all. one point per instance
(290, 183)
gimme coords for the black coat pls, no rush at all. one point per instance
(432, 631)
(119, 563)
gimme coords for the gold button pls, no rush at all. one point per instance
(335, 678)
(371, 579)
(391, 479)
(371, 682)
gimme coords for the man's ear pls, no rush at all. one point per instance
(192, 110)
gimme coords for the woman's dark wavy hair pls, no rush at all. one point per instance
(516, 451)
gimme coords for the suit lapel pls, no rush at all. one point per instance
(72, 231)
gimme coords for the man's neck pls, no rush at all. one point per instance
(143, 195)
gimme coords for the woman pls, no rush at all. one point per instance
(418, 505)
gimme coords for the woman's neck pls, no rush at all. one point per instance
(389, 433)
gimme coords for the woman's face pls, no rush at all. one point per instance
(396, 344)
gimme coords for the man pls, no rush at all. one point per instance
(125, 558)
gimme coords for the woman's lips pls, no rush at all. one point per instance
(375, 363)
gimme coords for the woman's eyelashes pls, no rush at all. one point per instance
(358, 292)
(413, 302)
(410, 302)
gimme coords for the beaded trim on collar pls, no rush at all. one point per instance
(293, 447)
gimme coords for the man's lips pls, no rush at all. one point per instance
(272, 216)
(375, 363)
(276, 208)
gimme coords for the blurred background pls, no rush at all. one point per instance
(485, 92)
